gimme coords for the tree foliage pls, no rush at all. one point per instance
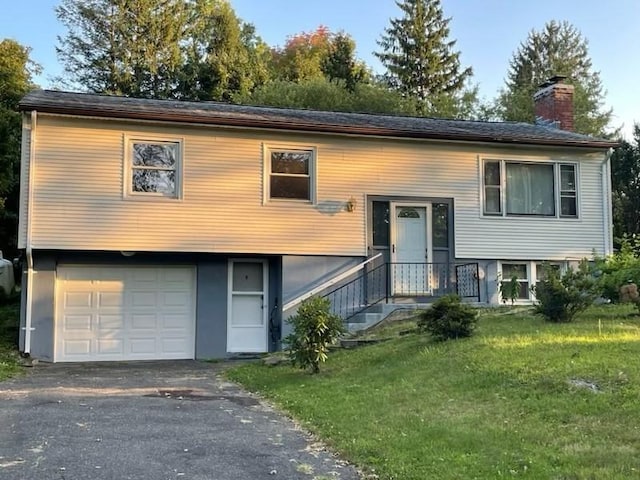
(149, 49)
(16, 70)
(625, 185)
(319, 54)
(558, 49)
(323, 94)
(421, 60)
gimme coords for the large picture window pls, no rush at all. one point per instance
(528, 188)
(154, 168)
(290, 174)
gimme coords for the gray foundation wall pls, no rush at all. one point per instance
(211, 297)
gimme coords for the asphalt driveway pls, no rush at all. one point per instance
(149, 421)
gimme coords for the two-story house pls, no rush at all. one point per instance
(168, 230)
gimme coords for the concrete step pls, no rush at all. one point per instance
(362, 321)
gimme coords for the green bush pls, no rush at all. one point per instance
(315, 328)
(619, 269)
(561, 298)
(448, 318)
(509, 290)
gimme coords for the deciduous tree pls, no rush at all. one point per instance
(323, 94)
(195, 49)
(16, 70)
(318, 54)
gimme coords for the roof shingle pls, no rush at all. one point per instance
(217, 113)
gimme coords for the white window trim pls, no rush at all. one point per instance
(128, 167)
(532, 276)
(503, 184)
(267, 148)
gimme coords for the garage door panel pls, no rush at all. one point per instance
(143, 346)
(173, 346)
(110, 346)
(122, 313)
(145, 276)
(175, 299)
(77, 323)
(77, 299)
(109, 299)
(110, 323)
(144, 299)
(177, 275)
(172, 321)
(75, 348)
(145, 322)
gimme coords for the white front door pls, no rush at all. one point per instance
(411, 248)
(247, 316)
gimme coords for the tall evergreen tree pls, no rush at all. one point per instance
(420, 58)
(341, 63)
(558, 49)
(16, 70)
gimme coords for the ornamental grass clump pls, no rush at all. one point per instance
(448, 318)
(315, 328)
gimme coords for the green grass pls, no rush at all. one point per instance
(498, 405)
(9, 323)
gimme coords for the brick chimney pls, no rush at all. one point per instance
(553, 103)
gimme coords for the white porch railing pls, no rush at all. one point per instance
(298, 300)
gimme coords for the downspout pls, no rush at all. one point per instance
(607, 213)
(29, 250)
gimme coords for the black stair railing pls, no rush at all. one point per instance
(367, 289)
(404, 279)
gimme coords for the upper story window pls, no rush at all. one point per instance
(154, 168)
(291, 174)
(528, 188)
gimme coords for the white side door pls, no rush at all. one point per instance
(411, 249)
(247, 316)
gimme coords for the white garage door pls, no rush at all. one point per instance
(124, 313)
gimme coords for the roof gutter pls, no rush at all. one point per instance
(29, 249)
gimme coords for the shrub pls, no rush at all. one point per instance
(315, 328)
(617, 270)
(509, 290)
(561, 298)
(448, 318)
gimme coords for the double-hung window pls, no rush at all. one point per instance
(290, 173)
(154, 168)
(529, 189)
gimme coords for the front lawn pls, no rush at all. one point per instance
(9, 321)
(522, 398)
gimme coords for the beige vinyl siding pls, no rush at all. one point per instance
(24, 182)
(80, 201)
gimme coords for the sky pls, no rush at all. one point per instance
(487, 33)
